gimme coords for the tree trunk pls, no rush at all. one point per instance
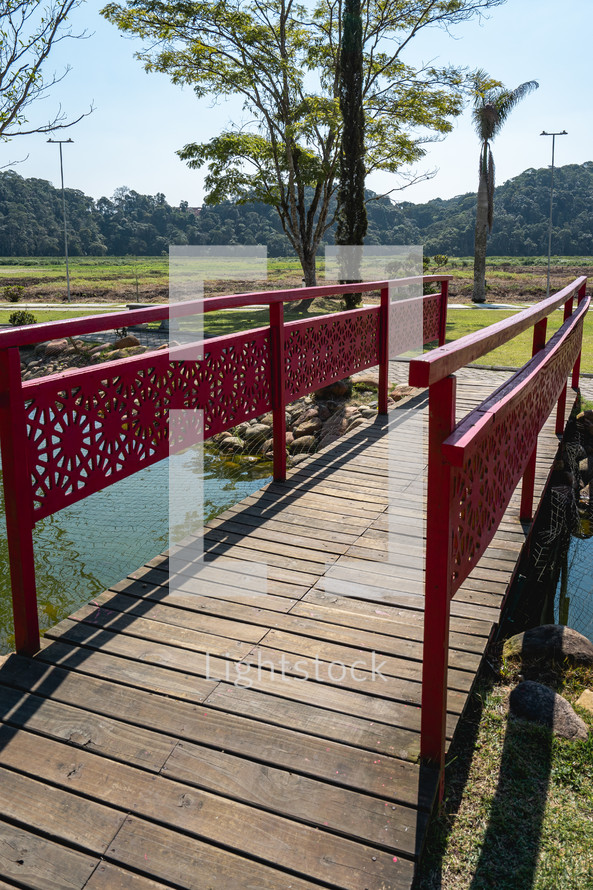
(351, 211)
(308, 263)
(481, 238)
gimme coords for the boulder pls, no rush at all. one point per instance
(307, 428)
(553, 641)
(55, 347)
(257, 431)
(369, 381)
(232, 445)
(124, 342)
(585, 700)
(97, 349)
(540, 704)
(367, 411)
(303, 444)
(339, 390)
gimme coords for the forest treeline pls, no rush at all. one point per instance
(31, 221)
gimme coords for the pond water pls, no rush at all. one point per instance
(555, 584)
(85, 548)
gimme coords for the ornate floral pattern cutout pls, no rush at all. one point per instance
(431, 308)
(92, 427)
(497, 456)
(329, 348)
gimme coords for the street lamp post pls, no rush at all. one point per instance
(553, 135)
(61, 142)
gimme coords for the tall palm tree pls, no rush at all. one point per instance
(492, 106)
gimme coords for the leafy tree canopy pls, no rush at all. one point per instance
(28, 31)
(282, 58)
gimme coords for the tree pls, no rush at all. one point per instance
(492, 106)
(28, 32)
(282, 59)
(351, 214)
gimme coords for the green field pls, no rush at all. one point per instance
(126, 279)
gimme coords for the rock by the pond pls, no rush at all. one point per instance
(303, 444)
(297, 458)
(540, 704)
(307, 428)
(55, 347)
(257, 431)
(370, 381)
(231, 444)
(339, 390)
(124, 342)
(585, 700)
(550, 641)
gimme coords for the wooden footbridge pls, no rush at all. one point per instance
(215, 727)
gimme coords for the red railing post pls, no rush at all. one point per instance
(441, 412)
(18, 503)
(576, 371)
(384, 350)
(561, 412)
(278, 389)
(528, 483)
(443, 311)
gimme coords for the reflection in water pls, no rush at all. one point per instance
(87, 547)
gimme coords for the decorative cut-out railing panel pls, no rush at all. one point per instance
(491, 447)
(474, 467)
(323, 350)
(93, 427)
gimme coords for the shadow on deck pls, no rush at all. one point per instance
(254, 724)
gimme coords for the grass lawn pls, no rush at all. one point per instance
(42, 315)
(518, 809)
(517, 351)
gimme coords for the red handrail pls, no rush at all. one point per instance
(474, 467)
(68, 435)
(447, 359)
(26, 335)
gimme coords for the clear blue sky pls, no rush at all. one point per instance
(141, 119)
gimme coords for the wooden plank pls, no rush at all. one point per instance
(194, 865)
(354, 815)
(338, 717)
(246, 782)
(282, 733)
(58, 814)
(386, 619)
(81, 728)
(111, 877)
(176, 635)
(40, 864)
(353, 635)
(360, 659)
(252, 528)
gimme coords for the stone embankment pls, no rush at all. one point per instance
(312, 422)
(60, 355)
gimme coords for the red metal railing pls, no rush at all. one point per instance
(68, 435)
(475, 466)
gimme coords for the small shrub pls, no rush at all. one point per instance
(121, 332)
(22, 317)
(440, 260)
(13, 293)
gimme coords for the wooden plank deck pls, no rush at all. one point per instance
(130, 758)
